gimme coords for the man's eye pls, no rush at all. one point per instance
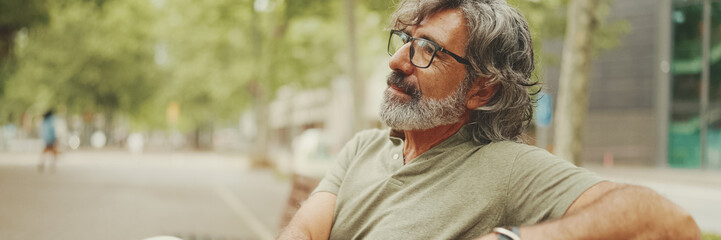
(426, 47)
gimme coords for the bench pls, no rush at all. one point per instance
(301, 188)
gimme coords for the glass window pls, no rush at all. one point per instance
(713, 133)
(684, 148)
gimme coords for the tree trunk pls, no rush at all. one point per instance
(356, 82)
(265, 82)
(259, 154)
(572, 106)
(7, 37)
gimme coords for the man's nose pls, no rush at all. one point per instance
(401, 61)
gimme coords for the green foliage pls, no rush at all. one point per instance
(14, 16)
(212, 58)
(307, 53)
(547, 20)
(86, 58)
(381, 8)
(372, 41)
(609, 32)
(310, 8)
(209, 59)
(222, 54)
(711, 236)
(17, 14)
(137, 57)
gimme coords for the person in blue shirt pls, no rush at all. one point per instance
(47, 132)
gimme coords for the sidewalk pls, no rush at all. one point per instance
(697, 191)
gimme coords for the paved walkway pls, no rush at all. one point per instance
(697, 191)
(117, 195)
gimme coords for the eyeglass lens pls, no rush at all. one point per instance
(421, 51)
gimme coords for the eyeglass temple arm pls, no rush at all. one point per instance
(456, 57)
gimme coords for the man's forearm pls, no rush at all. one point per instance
(294, 233)
(313, 220)
(627, 212)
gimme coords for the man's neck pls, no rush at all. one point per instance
(419, 141)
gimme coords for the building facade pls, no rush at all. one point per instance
(655, 100)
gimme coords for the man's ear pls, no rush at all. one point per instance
(481, 92)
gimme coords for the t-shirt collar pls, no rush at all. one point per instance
(396, 135)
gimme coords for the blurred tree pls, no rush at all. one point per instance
(211, 58)
(366, 30)
(208, 60)
(359, 93)
(586, 32)
(16, 15)
(547, 21)
(295, 45)
(89, 57)
(225, 55)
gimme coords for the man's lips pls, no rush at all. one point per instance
(398, 89)
(399, 85)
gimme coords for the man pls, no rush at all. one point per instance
(451, 166)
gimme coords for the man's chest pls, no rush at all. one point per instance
(430, 200)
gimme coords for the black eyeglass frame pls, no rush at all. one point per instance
(406, 38)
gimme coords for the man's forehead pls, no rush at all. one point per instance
(421, 32)
(440, 27)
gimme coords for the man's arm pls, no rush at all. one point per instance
(616, 211)
(313, 220)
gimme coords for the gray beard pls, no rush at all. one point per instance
(422, 113)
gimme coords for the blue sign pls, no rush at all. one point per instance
(544, 109)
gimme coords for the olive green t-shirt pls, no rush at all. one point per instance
(455, 190)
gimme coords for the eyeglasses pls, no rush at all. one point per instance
(422, 50)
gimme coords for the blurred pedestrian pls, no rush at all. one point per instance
(47, 132)
(453, 165)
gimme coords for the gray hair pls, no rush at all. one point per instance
(499, 49)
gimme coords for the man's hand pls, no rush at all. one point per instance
(313, 220)
(616, 211)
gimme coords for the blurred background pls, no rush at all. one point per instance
(210, 119)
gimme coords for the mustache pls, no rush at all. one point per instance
(398, 79)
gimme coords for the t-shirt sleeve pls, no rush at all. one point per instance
(334, 177)
(543, 186)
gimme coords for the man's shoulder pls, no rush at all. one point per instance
(524, 155)
(369, 137)
(512, 148)
(373, 133)
(511, 152)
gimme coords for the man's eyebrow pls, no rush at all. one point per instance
(424, 36)
(404, 29)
